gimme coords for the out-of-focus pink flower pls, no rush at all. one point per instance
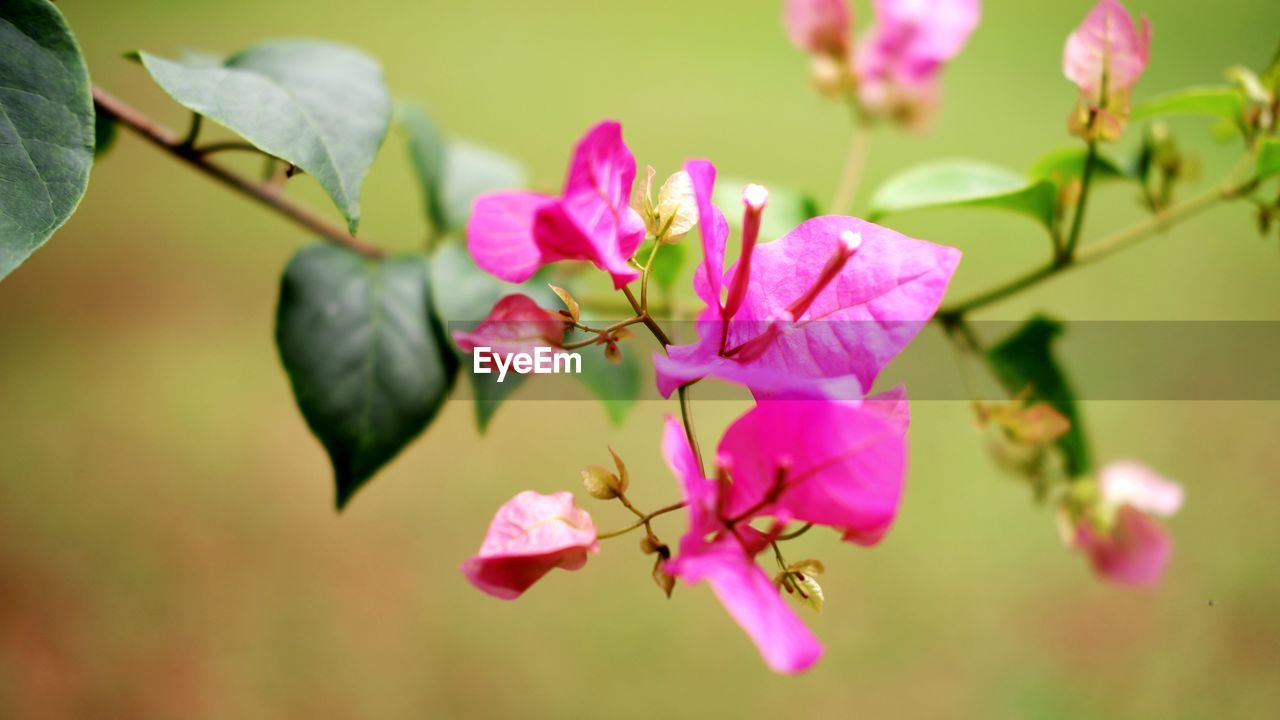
(512, 234)
(838, 464)
(531, 535)
(820, 27)
(823, 309)
(898, 60)
(515, 324)
(1104, 57)
(1132, 548)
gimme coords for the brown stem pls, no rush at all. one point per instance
(166, 140)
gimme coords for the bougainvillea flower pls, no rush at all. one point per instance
(1123, 542)
(837, 464)
(531, 535)
(1104, 57)
(823, 309)
(512, 234)
(898, 60)
(515, 324)
(820, 27)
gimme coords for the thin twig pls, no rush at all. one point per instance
(267, 195)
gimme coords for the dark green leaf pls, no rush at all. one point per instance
(321, 106)
(1268, 163)
(46, 127)
(1218, 101)
(787, 207)
(104, 133)
(616, 386)
(1024, 362)
(1062, 166)
(965, 183)
(366, 359)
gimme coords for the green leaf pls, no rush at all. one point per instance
(787, 207)
(1268, 163)
(1218, 101)
(452, 172)
(322, 106)
(426, 155)
(965, 183)
(616, 386)
(667, 264)
(1062, 166)
(1024, 362)
(46, 127)
(367, 362)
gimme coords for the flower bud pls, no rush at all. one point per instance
(600, 483)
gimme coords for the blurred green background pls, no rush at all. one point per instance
(168, 547)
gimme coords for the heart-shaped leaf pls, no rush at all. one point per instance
(965, 183)
(322, 106)
(367, 361)
(46, 127)
(1024, 363)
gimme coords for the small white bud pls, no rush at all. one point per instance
(851, 240)
(755, 196)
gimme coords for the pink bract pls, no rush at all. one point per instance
(818, 26)
(898, 60)
(512, 234)
(1135, 552)
(836, 464)
(1106, 47)
(531, 535)
(866, 311)
(1127, 482)
(515, 324)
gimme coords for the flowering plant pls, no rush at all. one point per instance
(802, 311)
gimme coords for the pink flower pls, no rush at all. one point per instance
(1104, 57)
(1133, 548)
(515, 324)
(531, 535)
(820, 27)
(512, 234)
(816, 313)
(898, 60)
(830, 463)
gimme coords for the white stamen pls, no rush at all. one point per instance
(851, 240)
(755, 196)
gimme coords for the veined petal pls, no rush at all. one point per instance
(708, 280)
(1106, 45)
(515, 324)
(531, 535)
(500, 234)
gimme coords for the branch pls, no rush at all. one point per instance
(179, 148)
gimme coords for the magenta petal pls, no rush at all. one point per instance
(515, 324)
(531, 535)
(714, 230)
(843, 465)
(1135, 553)
(500, 234)
(699, 491)
(875, 306)
(1106, 44)
(912, 40)
(594, 220)
(753, 601)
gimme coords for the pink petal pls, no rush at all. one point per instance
(1126, 482)
(864, 318)
(699, 491)
(531, 535)
(1135, 553)
(500, 234)
(912, 39)
(753, 601)
(713, 228)
(594, 220)
(1106, 43)
(515, 324)
(841, 465)
(818, 26)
